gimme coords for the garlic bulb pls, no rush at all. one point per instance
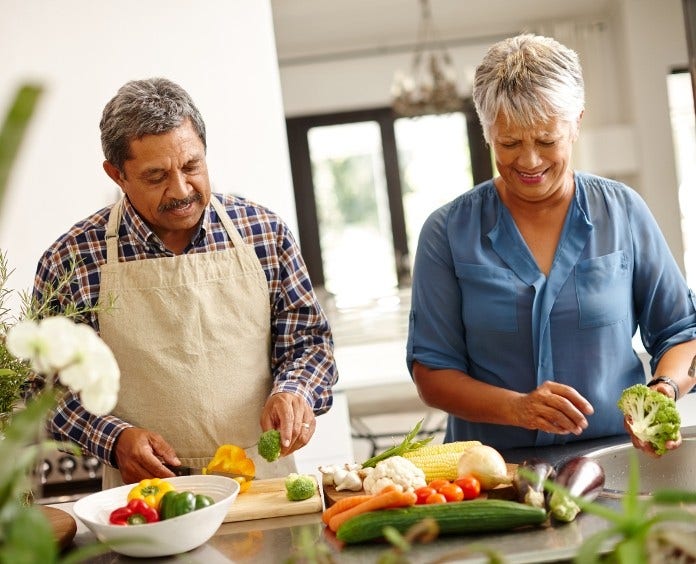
(351, 481)
(345, 477)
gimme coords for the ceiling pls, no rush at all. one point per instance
(307, 29)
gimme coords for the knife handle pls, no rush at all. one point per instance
(179, 470)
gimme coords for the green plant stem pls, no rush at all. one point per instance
(407, 445)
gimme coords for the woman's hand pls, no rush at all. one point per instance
(554, 408)
(645, 446)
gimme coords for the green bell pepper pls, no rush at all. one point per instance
(174, 503)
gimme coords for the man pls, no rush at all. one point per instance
(214, 323)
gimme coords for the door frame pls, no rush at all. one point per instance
(305, 201)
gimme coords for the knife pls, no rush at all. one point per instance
(192, 471)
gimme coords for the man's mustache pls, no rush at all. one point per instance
(174, 204)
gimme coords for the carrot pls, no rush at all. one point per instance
(352, 501)
(391, 488)
(384, 500)
(343, 505)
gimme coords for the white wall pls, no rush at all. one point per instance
(626, 98)
(655, 43)
(221, 51)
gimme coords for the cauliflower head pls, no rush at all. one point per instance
(395, 470)
(652, 416)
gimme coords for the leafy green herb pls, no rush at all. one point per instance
(407, 445)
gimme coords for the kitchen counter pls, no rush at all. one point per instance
(272, 540)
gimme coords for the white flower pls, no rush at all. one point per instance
(48, 345)
(97, 400)
(75, 352)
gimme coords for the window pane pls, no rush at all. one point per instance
(681, 104)
(353, 212)
(435, 166)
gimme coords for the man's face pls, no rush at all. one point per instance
(166, 180)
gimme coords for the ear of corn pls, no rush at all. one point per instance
(439, 461)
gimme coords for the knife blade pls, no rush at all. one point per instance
(192, 471)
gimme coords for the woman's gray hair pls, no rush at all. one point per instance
(529, 79)
(145, 107)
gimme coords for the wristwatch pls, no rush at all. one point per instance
(666, 381)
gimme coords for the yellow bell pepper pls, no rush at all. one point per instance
(233, 460)
(151, 491)
(244, 484)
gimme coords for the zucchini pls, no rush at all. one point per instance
(462, 517)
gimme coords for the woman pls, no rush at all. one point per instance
(528, 289)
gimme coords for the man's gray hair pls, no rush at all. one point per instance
(145, 107)
(529, 79)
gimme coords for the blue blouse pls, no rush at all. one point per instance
(481, 305)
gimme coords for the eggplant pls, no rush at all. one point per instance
(529, 481)
(582, 477)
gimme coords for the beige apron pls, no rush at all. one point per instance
(191, 334)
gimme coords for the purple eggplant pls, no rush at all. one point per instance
(529, 481)
(582, 477)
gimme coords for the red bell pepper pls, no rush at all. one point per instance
(136, 512)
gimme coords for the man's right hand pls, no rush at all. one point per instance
(139, 455)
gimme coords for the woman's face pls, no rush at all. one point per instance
(534, 163)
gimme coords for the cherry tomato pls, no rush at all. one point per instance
(452, 492)
(470, 486)
(435, 498)
(437, 484)
(423, 493)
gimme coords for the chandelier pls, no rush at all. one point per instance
(431, 85)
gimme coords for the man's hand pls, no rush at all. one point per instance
(292, 416)
(139, 455)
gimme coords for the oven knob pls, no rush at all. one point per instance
(91, 464)
(43, 469)
(67, 465)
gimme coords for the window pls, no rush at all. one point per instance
(364, 183)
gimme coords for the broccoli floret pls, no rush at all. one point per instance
(562, 507)
(299, 486)
(653, 417)
(269, 445)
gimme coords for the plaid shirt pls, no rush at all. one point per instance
(302, 346)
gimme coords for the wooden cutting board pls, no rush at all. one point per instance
(331, 496)
(267, 498)
(63, 525)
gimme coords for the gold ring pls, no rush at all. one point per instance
(305, 425)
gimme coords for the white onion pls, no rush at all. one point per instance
(485, 464)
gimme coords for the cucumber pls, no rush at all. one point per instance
(462, 517)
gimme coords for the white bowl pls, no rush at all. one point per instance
(163, 538)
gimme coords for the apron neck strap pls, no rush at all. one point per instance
(234, 235)
(115, 221)
(112, 232)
